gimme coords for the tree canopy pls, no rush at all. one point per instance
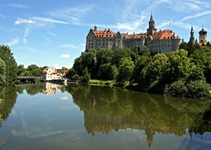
(8, 64)
(158, 73)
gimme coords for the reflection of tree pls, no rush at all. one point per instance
(34, 89)
(9, 96)
(202, 123)
(106, 109)
(31, 89)
(196, 111)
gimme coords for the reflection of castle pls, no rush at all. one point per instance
(50, 88)
(106, 123)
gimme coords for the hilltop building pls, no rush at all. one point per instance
(202, 37)
(162, 41)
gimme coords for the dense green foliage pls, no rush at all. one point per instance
(8, 66)
(184, 72)
(31, 70)
(2, 72)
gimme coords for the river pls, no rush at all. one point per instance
(81, 117)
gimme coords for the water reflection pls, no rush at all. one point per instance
(110, 111)
(50, 88)
(9, 96)
(107, 110)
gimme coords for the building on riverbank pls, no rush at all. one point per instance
(51, 74)
(162, 41)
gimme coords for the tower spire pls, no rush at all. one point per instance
(151, 30)
(191, 34)
(151, 17)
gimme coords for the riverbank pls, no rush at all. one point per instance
(101, 82)
(193, 91)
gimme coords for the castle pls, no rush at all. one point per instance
(162, 41)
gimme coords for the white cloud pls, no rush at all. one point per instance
(26, 32)
(57, 66)
(18, 6)
(196, 15)
(52, 34)
(71, 15)
(2, 16)
(188, 5)
(50, 20)
(65, 56)
(24, 21)
(13, 42)
(80, 47)
(70, 46)
(166, 23)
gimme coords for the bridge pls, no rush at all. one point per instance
(28, 79)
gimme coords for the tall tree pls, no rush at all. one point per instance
(11, 66)
(153, 72)
(2, 72)
(126, 69)
(179, 66)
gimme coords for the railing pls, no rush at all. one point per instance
(29, 77)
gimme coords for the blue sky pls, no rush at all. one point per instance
(53, 32)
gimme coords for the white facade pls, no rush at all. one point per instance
(51, 74)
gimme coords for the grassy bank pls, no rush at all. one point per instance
(101, 82)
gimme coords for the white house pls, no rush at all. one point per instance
(51, 74)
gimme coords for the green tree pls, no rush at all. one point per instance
(145, 51)
(78, 66)
(2, 72)
(183, 45)
(21, 69)
(107, 72)
(34, 70)
(179, 65)
(86, 76)
(140, 64)
(202, 58)
(118, 54)
(104, 56)
(126, 69)
(11, 66)
(88, 59)
(153, 72)
(70, 73)
(190, 47)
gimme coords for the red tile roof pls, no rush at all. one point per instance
(65, 71)
(205, 44)
(104, 33)
(165, 34)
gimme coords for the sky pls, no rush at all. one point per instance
(53, 32)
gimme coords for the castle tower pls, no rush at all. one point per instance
(192, 34)
(151, 30)
(202, 36)
(95, 28)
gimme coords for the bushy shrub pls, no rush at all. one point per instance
(196, 89)
(75, 77)
(177, 89)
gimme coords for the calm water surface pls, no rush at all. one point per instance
(79, 117)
